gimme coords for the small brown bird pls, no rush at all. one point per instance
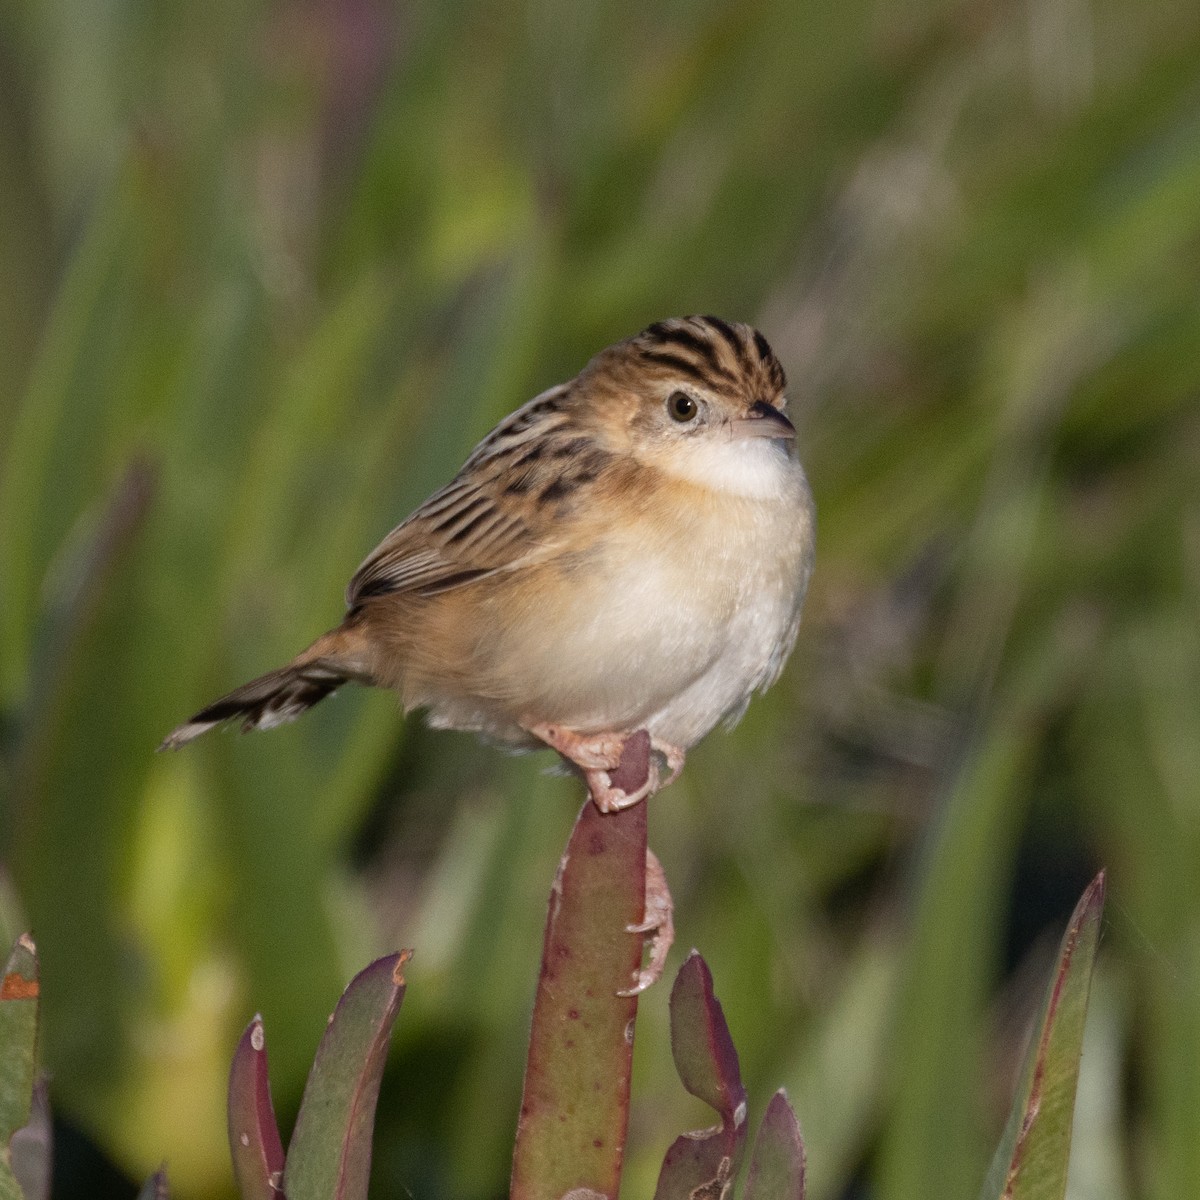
(629, 550)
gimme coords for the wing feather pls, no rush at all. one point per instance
(499, 512)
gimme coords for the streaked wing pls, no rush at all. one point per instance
(459, 535)
(496, 515)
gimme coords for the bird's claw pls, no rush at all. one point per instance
(598, 755)
(659, 921)
(673, 756)
(610, 799)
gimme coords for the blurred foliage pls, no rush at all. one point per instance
(267, 272)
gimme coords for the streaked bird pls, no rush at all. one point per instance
(627, 551)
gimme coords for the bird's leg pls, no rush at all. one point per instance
(658, 920)
(596, 755)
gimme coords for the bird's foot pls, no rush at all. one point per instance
(618, 768)
(610, 799)
(588, 751)
(600, 755)
(659, 922)
(636, 774)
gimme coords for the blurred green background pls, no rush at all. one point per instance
(268, 271)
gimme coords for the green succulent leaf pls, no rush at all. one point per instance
(1032, 1158)
(777, 1160)
(330, 1153)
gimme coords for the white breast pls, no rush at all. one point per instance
(754, 640)
(685, 612)
(761, 564)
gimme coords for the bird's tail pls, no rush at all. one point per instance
(282, 695)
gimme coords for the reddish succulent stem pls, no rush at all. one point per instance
(575, 1107)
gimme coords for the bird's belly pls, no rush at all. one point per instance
(665, 641)
(623, 651)
(758, 639)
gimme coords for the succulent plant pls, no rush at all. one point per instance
(574, 1114)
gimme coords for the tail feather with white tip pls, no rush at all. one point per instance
(282, 695)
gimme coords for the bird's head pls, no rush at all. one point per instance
(698, 398)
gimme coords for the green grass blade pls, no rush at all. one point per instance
(930, 1148)
(30, 475)
(1153, 842)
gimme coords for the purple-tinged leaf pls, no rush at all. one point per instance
(1031, 1160)
(700, 1043)
(330, 1154)
(32, 1147)
(254, 1142)
(575, 1106)
(18, 1039)
(777, 1160)
(702, 1164)
(707, 1063)
(155, 1188)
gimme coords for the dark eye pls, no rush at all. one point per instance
(682, 407)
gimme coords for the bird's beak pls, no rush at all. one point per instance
(765, 420)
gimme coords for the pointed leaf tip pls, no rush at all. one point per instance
(403, 958)
(254, 1142)
(1093, 896)
(777, 1161)
(330, 1154)
(1032, 1158)
(20, 981)
(700, 1041)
